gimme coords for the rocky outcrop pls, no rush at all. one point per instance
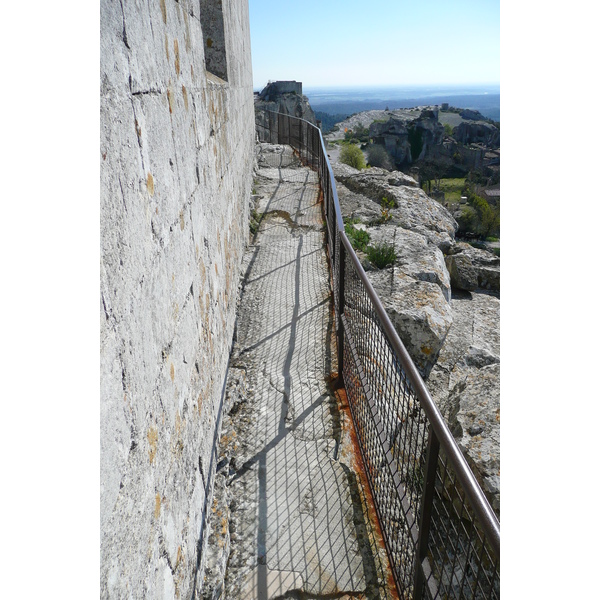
(471, 268)
(415, 290)
(416, 258)
(285, 97)
(408, 140)
(414, 209)
(419, 312)
(451, 334)
(472, 115)
(465, 384)
(478, 132)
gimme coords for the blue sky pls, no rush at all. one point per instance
(375, 42)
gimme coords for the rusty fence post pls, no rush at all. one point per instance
(431, 461)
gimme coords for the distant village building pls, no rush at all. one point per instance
(492, 195)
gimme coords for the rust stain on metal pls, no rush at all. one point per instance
(359, 468)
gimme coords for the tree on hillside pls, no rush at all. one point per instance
(352, 155)
(430, 170)
(360, 133)
(379, 157)
(489, 218)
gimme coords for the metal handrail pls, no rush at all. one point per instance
(484, 519)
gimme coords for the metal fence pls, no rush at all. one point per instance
(441, 535)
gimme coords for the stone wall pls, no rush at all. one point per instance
(176, 173)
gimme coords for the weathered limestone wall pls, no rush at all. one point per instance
(176, 167)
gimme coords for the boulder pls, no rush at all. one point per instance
(415, 256)
(465, 385)
(471, 268)
(414, 209)
(419, 312)
(462, 272)
(475, 424)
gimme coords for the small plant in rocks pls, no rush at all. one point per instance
(386, 206)
(254, 222)
(359, 238)
(381, 255)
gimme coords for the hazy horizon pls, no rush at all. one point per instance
(336, 100)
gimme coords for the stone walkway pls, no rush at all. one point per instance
(289, 516)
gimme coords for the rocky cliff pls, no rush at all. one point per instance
(285, 97)
(408, 140)
(478, 132)
(176, 155)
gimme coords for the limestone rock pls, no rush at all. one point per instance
(357, 206)
(475, 424)
(452, 341)
(285, 97)
(471, 268)
(414, 209)
(415, 257)
(478, 132)
(419, 312)
(408, 140)
(465, 384)
(451, 335)
(462, 272)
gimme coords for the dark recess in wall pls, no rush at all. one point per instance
(213, 33)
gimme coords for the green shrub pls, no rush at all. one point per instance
(379, 157)
(388, 203)
(381, 255)
(358, 237)
(489, 218)
(359, 133)
(352, 155)
(467, 219)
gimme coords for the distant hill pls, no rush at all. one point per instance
(487, 104)
(328, 121)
